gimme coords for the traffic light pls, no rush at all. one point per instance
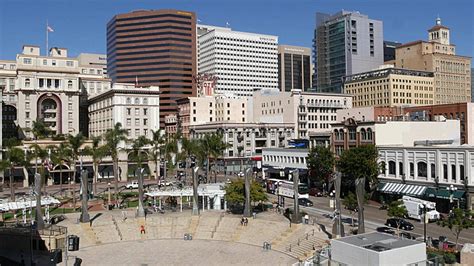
(193, 162)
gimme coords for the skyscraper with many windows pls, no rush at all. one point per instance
(345, 43)
(294, 68)
(154, 48)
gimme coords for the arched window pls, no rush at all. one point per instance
(27, 83)
(422, 169)
(352, 134)
(363, 134)
(341, 134)
(391, 167)
(412, 169)
(145, 100)
(69, 84)
(129, 101)
(453, 172)
(336, 134)
(400, 168)
(461, 172)
(137, 101)
(369, 134)
(433, 170)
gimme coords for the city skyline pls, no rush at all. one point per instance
(84, 29)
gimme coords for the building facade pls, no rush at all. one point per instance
(241, 61)
(308, 112)
(389, 50)
(246, 140)
(137, 109)
(390, 86)
(344, 44)
(154, 48)
(433, 167)
(352, 133)
(294, 68)
(463, 112)
(452, 73)
(9, 99)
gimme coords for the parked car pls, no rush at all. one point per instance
(386, 230)
(132, 185)
(305, 202)
(404, 225)
(315, 192)
(407, 235)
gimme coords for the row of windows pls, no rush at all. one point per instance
(365, 134)
(112, 39)
(153, 28)
(153, 69)
(118, 26)
(422, 168)
(284, 159)
(156, 51)
(128, 48)
(28, 61)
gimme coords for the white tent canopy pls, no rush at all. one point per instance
(27, 203)
(210, 190)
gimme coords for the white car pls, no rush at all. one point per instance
(133, 184)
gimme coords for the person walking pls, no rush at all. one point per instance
(142, 230)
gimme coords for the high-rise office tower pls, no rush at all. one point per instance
(154, 48)
(294, 68)
(345, 43)
(241, 61)
(452, 77)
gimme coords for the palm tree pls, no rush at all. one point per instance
(113, 138)
(40, 129)
(156, 151)
(170, 147)
(60, 155)
(42, 155)
(212, 146)
(13, 157)
(97, 152)
(189, 148)
(75, 142)
(139, 156)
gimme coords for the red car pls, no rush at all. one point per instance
(315, 192)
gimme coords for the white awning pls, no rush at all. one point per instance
(404, 189)
(27, 203)
(203, 190)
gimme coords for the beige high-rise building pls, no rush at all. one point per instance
(452, 73)
(387, 87)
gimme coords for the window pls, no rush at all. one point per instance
(369, 134)
(433, 170)
(45, 62)
(391, 168)
(145, 122)
(363, 134)
(445, 171)
(27, 83)
(69, 63)
(69, 84)
(145, 111)
(412, 169)
(27, 115)
(352, 134)
(56, 83)
(137, 111)
(53, 62)
(27, 61)
(129, 121)
(400, 168)
(129, 101)
(145, 131)
(41, 83)
(137, 121)
(27, 105)
(145, 100)
(422, 169)
(137, 101)
(129, 111)
(137, 132)
(70, 106)
(453, 172)
(461, 172)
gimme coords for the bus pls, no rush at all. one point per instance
(285, 188)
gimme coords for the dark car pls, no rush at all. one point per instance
(395, 222)
(407, 235)
(315, 192)
(386, 230)
(305, 202)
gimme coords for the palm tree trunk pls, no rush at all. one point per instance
(12, 189)
(61, 178)
(74, 186)
(157, 170)
(116, 174)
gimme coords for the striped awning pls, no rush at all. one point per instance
(402, 189)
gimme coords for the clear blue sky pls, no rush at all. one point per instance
(80, 24)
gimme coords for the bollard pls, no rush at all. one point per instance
(313, 232)
(306, 236)
(298, 241)
(289, 248)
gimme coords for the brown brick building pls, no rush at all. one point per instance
(154, 48)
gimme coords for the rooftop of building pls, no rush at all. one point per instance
(230, 31)
(384, 72)
(378, 242)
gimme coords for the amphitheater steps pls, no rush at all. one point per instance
(193, 225)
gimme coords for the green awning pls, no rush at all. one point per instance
(444, 193)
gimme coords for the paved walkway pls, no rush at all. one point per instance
(180, 252)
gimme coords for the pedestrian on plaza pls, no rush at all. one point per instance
(242, 221)
(246, 222)
(142, 230)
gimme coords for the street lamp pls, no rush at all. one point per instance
(451, 190)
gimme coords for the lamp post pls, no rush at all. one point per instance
(451, 190)
(195, 192)
(296, 181)
(247, 193)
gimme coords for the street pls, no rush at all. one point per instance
(375, 218)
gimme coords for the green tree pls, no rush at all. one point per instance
(211, 146)
(40, 130)
(113, 138)
(189, 148)
(97, 152)
(235, 192)
(350, 203)
(321, 163)
(13, 157)
(457, 221)
(397, 209)
(156, 152)
(75, 144)
(359, 165)
(139, 156)
(60, 155)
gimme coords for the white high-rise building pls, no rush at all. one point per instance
(241, 61)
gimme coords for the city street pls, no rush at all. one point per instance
(375, 218)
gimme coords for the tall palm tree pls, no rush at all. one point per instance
(156, 151)
(13, 157)
(97, 152)
(113, 137)
(189, 148)
(60, 155)
(139, 156)
(211, 146)
(40, 130)
(40, 154)
(169, 148)
(75, 142)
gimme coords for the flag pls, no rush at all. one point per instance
(49, 29)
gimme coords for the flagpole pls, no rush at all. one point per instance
(47, 32)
